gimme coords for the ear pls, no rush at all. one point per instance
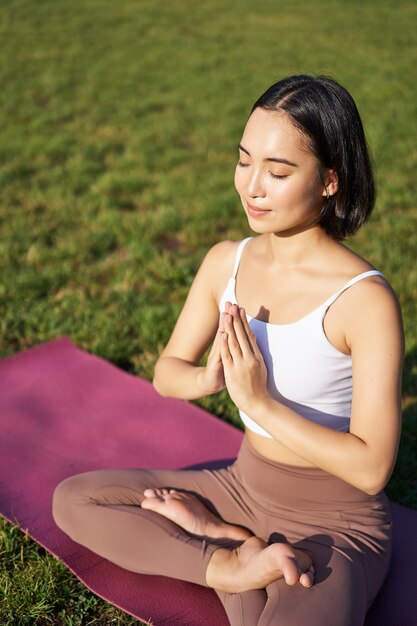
(331, 183)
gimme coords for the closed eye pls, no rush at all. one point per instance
(279, 176)
(275, 176)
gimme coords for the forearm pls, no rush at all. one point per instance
(177, 378)
(341, 454)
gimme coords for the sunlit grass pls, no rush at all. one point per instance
(119, 123)
(36, 589)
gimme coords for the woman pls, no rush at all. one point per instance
(309, 345)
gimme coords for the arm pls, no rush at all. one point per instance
(177, 371)
(365, 456)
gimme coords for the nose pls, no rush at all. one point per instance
(255, 187)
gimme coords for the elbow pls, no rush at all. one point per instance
(157, 383)
(374, 489)
(373, 468)
(374, 482)
(156, 386)
(159, 388)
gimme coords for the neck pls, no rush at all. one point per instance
(297, 249)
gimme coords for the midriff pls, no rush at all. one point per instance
(275, 451)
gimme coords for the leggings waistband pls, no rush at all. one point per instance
(295, 487)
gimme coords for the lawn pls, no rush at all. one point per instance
(119, 123)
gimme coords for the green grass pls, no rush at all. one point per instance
(37, 589)
(119, 123)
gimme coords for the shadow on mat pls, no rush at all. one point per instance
(216, 464)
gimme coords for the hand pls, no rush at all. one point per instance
(211, 378)
(243, 364)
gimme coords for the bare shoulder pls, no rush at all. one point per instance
(372, 308)
(344, 265)
(218, 265)
(345, 261)
(374, 293)
(367, 309)
(222, 253)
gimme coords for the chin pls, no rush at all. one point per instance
(260, 229)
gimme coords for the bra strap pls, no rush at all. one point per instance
(351, 282)
(239, 254)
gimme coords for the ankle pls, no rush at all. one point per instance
(220, 559)
(230, 531)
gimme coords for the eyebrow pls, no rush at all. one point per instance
(274, 159)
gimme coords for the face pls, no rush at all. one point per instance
(277, 177)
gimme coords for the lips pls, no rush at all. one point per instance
(256, 211)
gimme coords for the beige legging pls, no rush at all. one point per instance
(346, 532)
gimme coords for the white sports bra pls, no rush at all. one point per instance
(305, 371)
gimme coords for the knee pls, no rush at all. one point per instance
(65, 496)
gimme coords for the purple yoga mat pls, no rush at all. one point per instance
(64, 411)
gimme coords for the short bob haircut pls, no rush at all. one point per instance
(325, 113)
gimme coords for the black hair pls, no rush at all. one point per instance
(325, 113)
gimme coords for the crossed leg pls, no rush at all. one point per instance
(102, 511)
(108, 512)
(252, 565)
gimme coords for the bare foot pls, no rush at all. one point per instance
(255, 564)
(189, 512)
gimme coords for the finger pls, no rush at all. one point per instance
(214, 346)
(242, 336)
(224, 350)
(233, 342)
(214, 355)
(233, 309)
(249, 333)
(227, 306)
(221, 321)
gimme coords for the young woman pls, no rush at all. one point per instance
(309, 344)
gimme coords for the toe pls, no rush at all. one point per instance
(307, 578)
(150, 503)
(153, 498)
(150, 493)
